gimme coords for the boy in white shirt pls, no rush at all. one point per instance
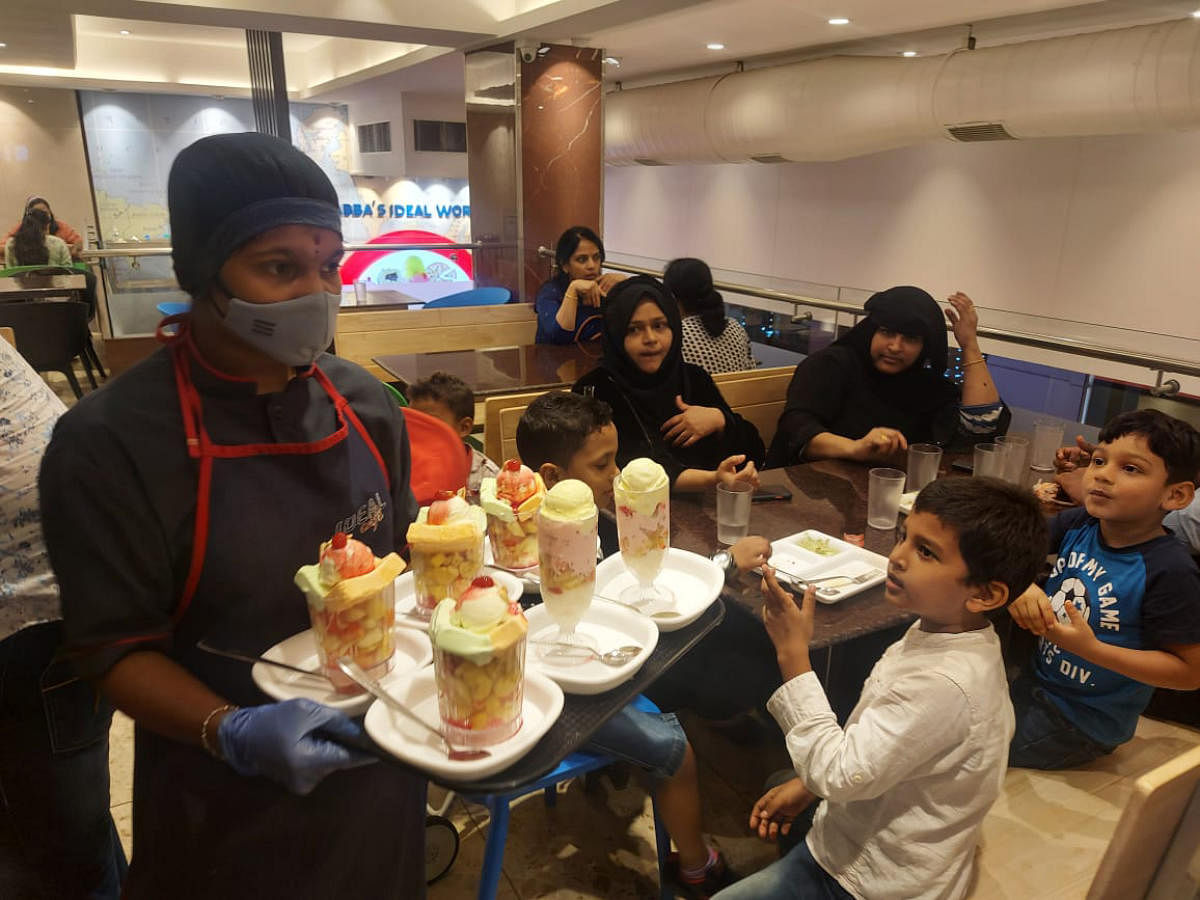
(908, 781)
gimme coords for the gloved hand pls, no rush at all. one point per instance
(277, 741)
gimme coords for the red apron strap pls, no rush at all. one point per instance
(343, 406)
(199, 539)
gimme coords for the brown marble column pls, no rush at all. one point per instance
(562, 154)
(534, 156)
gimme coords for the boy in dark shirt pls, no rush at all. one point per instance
(1120, 613)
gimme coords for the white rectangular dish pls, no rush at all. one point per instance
(609, 627)
(832, 557)
(694, 580)
(410, 742)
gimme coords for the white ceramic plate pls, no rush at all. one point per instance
(406, 596)
(410, 742)
(907, 500)
(413, 651)
(848, 560)
(610, 627)
(695, 580)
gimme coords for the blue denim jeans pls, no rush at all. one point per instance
(1045, 738)
(54, 776)
(796, 875)
(653, 741)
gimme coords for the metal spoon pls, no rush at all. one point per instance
(251, 658)
(617, 657)
(356, 674)
(662, 614)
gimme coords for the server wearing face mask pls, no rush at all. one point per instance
(179, 502)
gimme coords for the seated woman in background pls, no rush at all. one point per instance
(34, 245)
(568, 305)
(58, 227)
(711, 340)
(664, 408)
(882, 386)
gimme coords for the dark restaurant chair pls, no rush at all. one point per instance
(50, 335)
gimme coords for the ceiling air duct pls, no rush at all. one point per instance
(1125, 81)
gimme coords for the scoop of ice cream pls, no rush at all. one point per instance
(343, 557)
(481, 623)
(481, 606)
(569, 501)
(448, 512)
(642, 475)
(515, 482)
(517, 489)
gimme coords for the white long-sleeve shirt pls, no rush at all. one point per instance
(909, 780)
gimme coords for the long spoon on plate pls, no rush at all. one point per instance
(358, 675)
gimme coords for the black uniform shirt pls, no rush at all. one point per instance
(118, 489)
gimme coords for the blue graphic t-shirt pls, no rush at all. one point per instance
(1145, 597)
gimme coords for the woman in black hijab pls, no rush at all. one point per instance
(664, 408)
(882, 386)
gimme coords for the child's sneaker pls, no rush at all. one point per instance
(716, 877)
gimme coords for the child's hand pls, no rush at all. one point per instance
(773, 813)
(728, 471)
(750, 552)
(1032, 611)
(1077, 637)
(789, 626)
(1068, 459)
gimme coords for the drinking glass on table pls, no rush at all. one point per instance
(923, 462)
(567, 571)
(1016, 457)
(733, 511)
(884, 487)
(1047, 438)
(988, 461)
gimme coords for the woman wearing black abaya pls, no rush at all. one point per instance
(664, 408)
(882, 386)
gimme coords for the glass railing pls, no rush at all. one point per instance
(138, 278)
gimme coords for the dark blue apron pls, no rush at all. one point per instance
(200, 829)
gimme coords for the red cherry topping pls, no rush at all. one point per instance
(512, 465)
(483, 581)
(446, 495)
(339, 540)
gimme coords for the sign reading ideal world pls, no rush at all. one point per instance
(404, 211)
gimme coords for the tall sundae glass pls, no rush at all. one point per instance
(567, 523)
(642, 494)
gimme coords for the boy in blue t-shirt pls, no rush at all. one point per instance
(1120, 613)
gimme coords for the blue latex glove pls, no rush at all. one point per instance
(277, 741)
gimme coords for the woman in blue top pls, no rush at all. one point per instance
(568, 305)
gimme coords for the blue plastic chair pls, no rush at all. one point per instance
(484, 296)
(172, 308)
(573, 766)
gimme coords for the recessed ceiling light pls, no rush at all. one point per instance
(612, 61)
(839, 21)
(715, 46)
(125, 31)
(3, 45)
(909, 53)
(1196, 14)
